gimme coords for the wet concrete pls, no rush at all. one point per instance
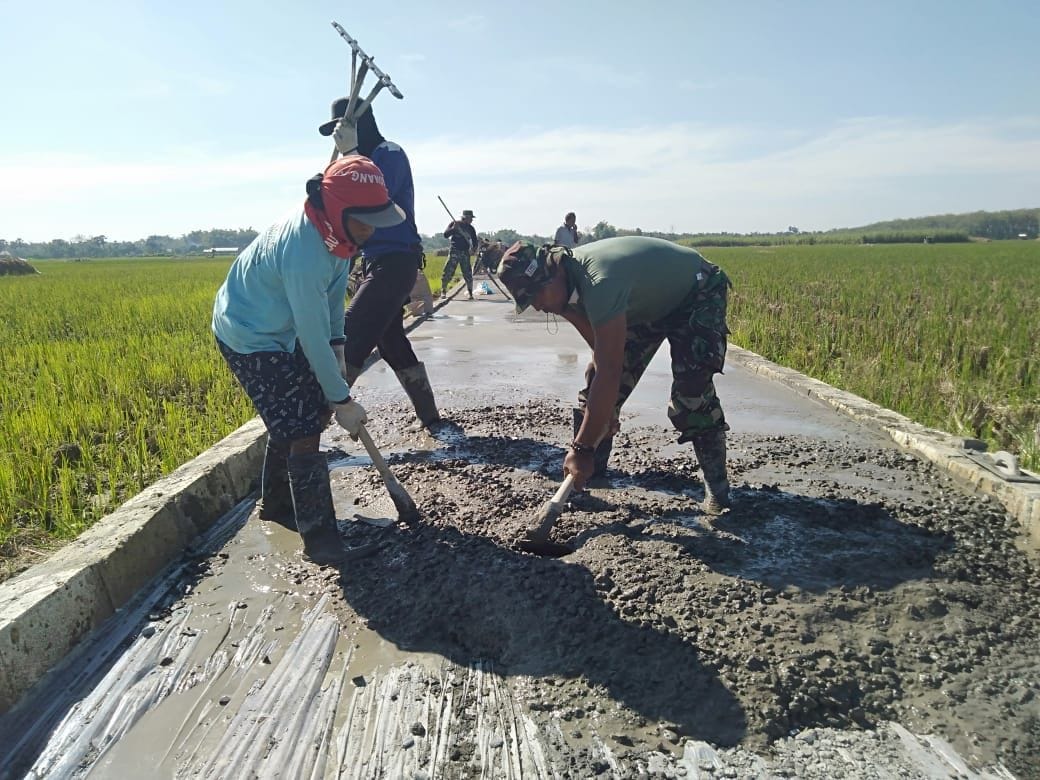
(460, 346)
(852, 591)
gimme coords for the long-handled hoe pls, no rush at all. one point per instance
(490, 275)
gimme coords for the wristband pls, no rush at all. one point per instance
(585, 449)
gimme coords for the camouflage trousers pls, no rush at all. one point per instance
(696, 332)
(457, 259)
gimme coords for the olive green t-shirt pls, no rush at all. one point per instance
(647, 278)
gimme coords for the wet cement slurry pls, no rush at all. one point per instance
(854, 615)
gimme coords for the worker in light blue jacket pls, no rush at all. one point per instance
(278, 320)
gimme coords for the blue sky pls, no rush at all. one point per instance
(135, 118)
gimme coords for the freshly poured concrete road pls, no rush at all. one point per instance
(242, 673)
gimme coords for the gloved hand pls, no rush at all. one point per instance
(341, 359)
(345, 135)
(351, 416)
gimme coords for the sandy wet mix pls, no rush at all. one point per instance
(847, 587)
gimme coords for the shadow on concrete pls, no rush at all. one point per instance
(464, 597)
(784, 539)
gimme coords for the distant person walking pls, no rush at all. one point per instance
(464, 242)
(390, 262)
(567, 234)
(278, 321)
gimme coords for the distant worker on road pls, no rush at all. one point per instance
(567, 234)
(278, 321)
(463, 243)
(391, 264)
(625, 296)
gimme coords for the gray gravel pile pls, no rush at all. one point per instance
(847, 588)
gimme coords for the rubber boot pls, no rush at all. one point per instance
(315, 513)
(603, 449)
(711, 452)
(417, 385)
(275, 503)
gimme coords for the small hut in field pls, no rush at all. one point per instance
(14, 266)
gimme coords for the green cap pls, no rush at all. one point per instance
(524, 270)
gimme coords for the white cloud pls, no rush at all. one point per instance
(696, 178)
(472, 23)
(686, 177)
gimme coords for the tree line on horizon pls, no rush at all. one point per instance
(942, 228)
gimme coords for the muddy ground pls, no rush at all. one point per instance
(847, 587)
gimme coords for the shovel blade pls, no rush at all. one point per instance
(407, 512)
(374, 508)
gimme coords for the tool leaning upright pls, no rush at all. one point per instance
(356, 107)
(490, 275)
(357, 78)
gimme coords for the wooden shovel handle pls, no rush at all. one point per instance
(549, 513)
(375, 455)
(564, 491)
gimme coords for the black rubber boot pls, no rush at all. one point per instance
(275, 502)
(603, 449)
(711, 452)
(417, 385)
(315, 513)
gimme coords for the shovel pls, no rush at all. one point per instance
(536, 540)
(407, 512)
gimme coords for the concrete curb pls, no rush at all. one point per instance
(948, 452)
(46, 610)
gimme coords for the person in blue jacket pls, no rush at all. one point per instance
(278, 321)
(390, 260)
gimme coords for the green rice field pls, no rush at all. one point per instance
(109, 377)
(946, 334)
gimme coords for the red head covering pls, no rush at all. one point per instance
(354, 185)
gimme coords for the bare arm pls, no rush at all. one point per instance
(581, 324)
(608, 353)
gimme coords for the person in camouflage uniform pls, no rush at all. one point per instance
(626, 296)
(464, 243)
